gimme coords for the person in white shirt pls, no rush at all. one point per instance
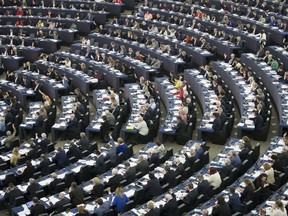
(214, 178)
(270, 173)
(142, 128)
(278, 209)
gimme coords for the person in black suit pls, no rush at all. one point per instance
(84, 141)
(28, 172)
(248, 191)
(181, 129)
(258, 121)
(179, 167)
(114, 182)
(72, 124)
(203, 186)
(142, 165)
(44, 165)
(191, 158)
(152, 188)
(44, 143)
(171, 206)
(54, 183)
(58, 206)
(130, 173)
(105, 129)
(37, 91)
(37, 208)
(192, 195)
(217, 124)
(98, 188)
(76, 194)
(74, 151)
(152, 210)
(234, 201)
(11, 193)
(221, 208)
(222, 116)
(169, 176)
(32, 154)
(226, 169)
(111, 148)
(100, 164)
(39, 122)
(32, 188)
(244, 152)
(26, 83)
(60, 158)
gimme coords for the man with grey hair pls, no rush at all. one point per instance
(55, 181)
(226, 169)
(115, 180)
(58, 207)
(84, 141)
(44, 143)
(171, 206)
(32, 188)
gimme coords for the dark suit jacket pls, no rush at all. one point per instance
(43, 144)
(243, 154)
(225, 171)
(52, 185)
(39, 122)
(181, 128)
(169, 178)
(105, 127)
(190, 160)
(44, 166)
(100, 165)
(130, 174)
(72, 123)
(235, 203)
(204, 188)
(114, 182)
(222, 210)
(170, 208)
(143, 166)
(152, 188)
(37, 209)
(61, 159)
(31, 190)
(74, 151)
(246, 194)
(153, 212)
(58, 206)
(84, 143)
(77, 196)
(191, 197)
(10, 196)
(217, 125)
(28, 173)
(259, 122)
(98, 190)
(179, 170)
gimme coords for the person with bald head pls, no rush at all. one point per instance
(171, 206)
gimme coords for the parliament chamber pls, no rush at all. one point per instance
(144, 107)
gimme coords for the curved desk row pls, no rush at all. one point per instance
(277, 89)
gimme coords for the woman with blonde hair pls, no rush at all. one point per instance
(119, 201)
(270, 173)
(15, 157)
(278, 209)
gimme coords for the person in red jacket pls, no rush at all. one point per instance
(19, 12)
(117, 1)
